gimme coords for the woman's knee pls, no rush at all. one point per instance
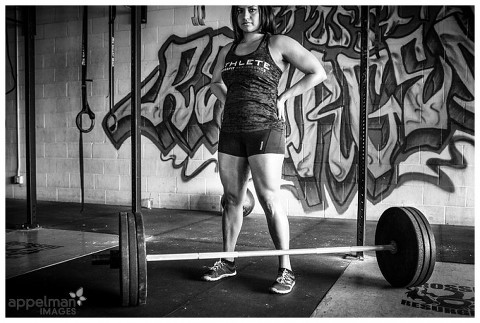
(269, 202)
(232, 201)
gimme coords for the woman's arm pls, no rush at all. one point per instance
(292, 52)
(219, 89)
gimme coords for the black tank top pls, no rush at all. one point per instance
(252, 85)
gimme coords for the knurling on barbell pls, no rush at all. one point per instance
(404, 244)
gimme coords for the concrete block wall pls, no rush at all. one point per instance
(421, 137)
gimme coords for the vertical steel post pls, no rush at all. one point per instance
(84, 102)
(363, 129)
(136, 105)
(29, 24)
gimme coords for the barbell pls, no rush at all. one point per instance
(404, 245)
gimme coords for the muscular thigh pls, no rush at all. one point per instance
(234, 173)
(266, 172)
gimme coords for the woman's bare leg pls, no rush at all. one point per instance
(266, 173)
(234, 173)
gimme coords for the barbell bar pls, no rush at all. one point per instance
(404, 245)
(266, 253)
(105, 259)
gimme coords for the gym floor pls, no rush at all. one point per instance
(49, 271)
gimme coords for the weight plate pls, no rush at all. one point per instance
(430, 247)
(142, 259)
(124, 259)
(133, 256)
(402, 268)
(424, 257)
(249, 203)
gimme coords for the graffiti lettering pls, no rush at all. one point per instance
(421, 91)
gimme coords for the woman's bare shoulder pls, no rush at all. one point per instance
(283, 47)
(281, 40)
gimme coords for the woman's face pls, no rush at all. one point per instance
(248, 18)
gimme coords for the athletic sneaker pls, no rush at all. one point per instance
(284, 282)
(221, 269)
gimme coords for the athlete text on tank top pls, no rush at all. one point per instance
(252, 82)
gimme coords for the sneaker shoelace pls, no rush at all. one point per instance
(216, 265)
(285, 277)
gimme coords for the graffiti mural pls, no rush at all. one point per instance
(421, 92)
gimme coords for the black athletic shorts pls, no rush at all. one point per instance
(246, 144)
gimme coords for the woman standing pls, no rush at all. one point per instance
(252, 136)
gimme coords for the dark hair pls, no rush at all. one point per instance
(267, 22)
